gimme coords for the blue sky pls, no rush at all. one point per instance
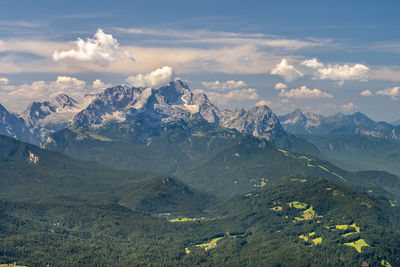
(320, 56)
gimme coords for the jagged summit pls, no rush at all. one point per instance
(167, 103)
(172, 102)
(62, 100)
(258, 121)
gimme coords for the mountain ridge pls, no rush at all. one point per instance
(297, 122)
(168, 103)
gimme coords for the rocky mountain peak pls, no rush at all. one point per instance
(62, 101)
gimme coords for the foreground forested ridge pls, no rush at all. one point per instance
(291, 222)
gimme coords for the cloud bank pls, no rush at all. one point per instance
(393, 93)
(157, 78)
(304, 93)
(343, 72)
(222, 86)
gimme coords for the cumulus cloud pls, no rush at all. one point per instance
(65, 82)
(3, 80)
(99, 84)
(366, 93)
(101, 50)
(348, 106)
(343, 72)
(263, 103)
(159, 77)
(312, 63)
(304, 93)
(288, 72)
(222, 98)
(280, 86)
(393, 93)
(228, 85)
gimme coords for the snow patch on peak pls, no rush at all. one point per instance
(143, 98)
(32, 158)
(118, 116)
(191, 108)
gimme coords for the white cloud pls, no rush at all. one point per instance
(101, 50)
(280, 86)
(288, 72)
(19, 96)
(65, 82)
(343, 72)
(263, 103)
(228, 85)
(159, 77)
(3, 80)
(312, 63)
(237, 94)
(393, 93)
(304, 93)
(366, 93)
(40, 90)
(348, 106)
(99, 84)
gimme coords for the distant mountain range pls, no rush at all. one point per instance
(358, 123)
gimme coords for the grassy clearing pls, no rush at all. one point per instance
(307, 215)
(334, 173)
(315, 241)
(287, 154)
(297, 205)
(298, 180)
(211, 244)
(385, 263)
(277, 208)
(184, 219)
(358, 245)
(346, 226)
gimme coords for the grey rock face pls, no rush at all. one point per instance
(14, 126)
(43, 118)
(258, 121)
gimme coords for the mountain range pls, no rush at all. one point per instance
(171, 103)
(137, 176)
(358, 123)
(123, 104)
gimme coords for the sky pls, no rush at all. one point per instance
(320, 56)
